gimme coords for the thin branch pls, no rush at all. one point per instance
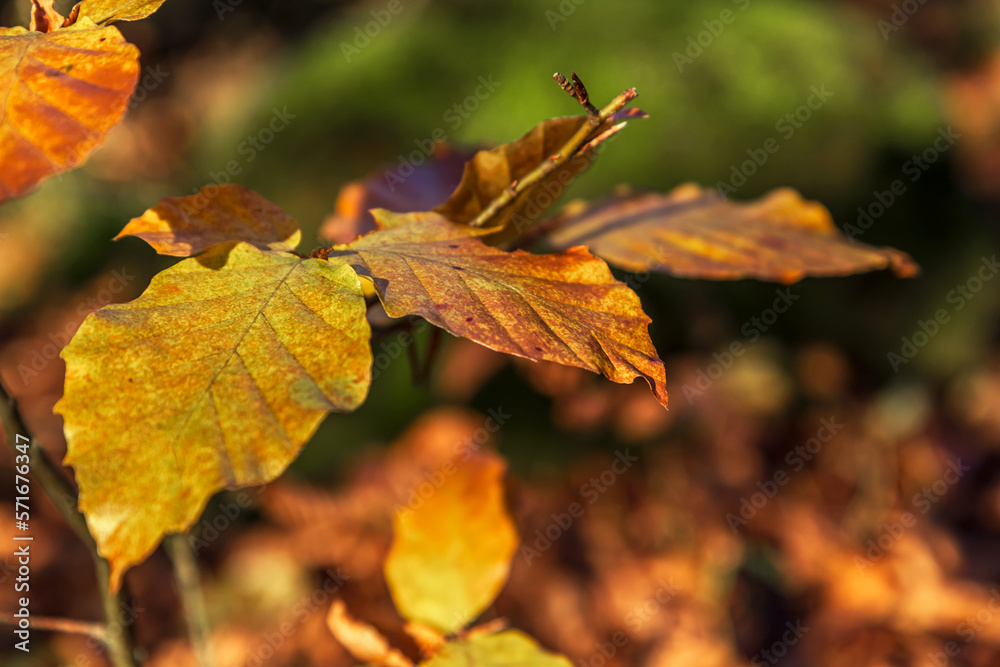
(55, 485)
(577, 91)
(189, 584)
(67, 625)
(411, 358)
(433, 342)
(119, 644)
(569, 149)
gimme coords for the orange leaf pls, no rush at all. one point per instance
(107, 11)
(60, 93)
(44, 17)
(694, 233)
(451, 556)
(362, 640)
(184, 226)
(566, 308)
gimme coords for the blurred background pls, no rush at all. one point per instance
(873, 541)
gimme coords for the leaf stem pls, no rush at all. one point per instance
(433, 342)
(594, 120)
(119, 644)
(189, 585)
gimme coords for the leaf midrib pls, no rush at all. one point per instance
(208, 387)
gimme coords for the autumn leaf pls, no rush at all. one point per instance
(416, 188)
(44, 17)
(451, 556)
(109, 11)
(566, 308)
(60, 93)
(505, 649)
(214, 377)
(490, 172)
(362, 640)
(184, 226)
(694, 233)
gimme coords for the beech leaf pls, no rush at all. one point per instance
(108, 11)
(44, 17)
(363, 640)
(509, 648)
(565, 308)
(694, 233)
(214, 377)
(60, 93)
(451, 556)
(492, 171)
(184, 226)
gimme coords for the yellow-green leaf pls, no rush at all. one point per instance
(184, 226)
(213, 378)
(566, 308)
(60, 93)
(694, 233)
(109, 11)
(451, 556)
(504, 649)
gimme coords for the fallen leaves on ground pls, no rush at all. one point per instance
(452, 546)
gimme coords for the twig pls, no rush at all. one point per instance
(411, 357)
(433, 342)
(68, 625)
(577, 91)
(119, 644)
(594, 120)
(189, 584)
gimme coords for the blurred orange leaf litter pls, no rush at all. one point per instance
(450, 556)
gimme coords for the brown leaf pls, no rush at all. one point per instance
(60, 93)
(362, 640)
(396, 190)
(566, 308)
(693, 233)
(490, 172)
(184, 226)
